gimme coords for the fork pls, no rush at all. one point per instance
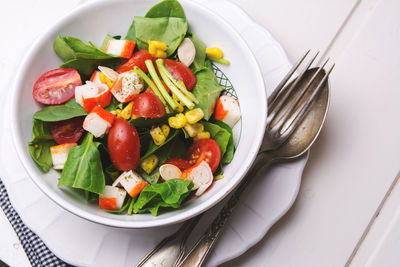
(287, 108)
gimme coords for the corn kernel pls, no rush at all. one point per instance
(104, 79)
(126, 112)
(176, 98)
(194, 129)
(165, 130)
(214, 52)
(160, 54)
(202, 135)
(157, 49)
(178, 121)
(117, 113)
(134, 116)
(180, 108)
(194, 115)
(158, 136)
(149, 163)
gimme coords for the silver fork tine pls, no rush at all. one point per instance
(300, 115)
(290, 111)
(275, 107)
(280, 86)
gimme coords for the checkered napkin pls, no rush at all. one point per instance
(38, 253)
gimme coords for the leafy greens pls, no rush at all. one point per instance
(66, 111)
(39, 147)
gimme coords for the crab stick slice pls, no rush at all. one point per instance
(98, 122)
(131, 182)
(127, 86)
(120, 48)
(96, 77)
(59, 154)
(169, 171)
(93, 94)
(227, 110)
(113, 198)
(201, 176)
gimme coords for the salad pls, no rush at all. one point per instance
(139, 124)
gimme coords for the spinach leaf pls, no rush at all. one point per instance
(86, 66)
(219, 134)
(131, 34)
(168, 194)
(166, 8)
(200, 57)
(62, 49)
(83, 168)
(148, 122)
(230, 148)
(169, 30)
(66, 111)
(151, 178)
(153, 147)
(79, 47)
(207, 91)
(39, 147)
(114, 105)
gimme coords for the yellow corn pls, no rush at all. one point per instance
(202, 135)
(165, 130)
(178, 121)
(176, 98)
(194, 115)
(158, 136)
(117, 113)
(126, 112)
(157, 49)
(134, 116)
(180, 108)
(149, 163)
(194, 129)
(214, 52)
(104, 79)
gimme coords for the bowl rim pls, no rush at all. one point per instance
(20, 145)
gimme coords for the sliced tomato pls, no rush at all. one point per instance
(56, 86)
(181, 72)
(204, 149)
(124, 145)
(148, 105)
(182, 164)
(137, 59)
(67, 131)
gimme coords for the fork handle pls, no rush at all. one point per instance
(200, 251)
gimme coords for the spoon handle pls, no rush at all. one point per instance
(200, 251)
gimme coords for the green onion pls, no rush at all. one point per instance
(219, 60)
(130, 209)
(159, 84)
(153, 86)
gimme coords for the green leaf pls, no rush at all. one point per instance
(114, 105)
(66, 111)
(230, 148)
(153, 147)
(39, 147)
(149, 122)
(78, 46)
(168, 194)
(166, 8)
(219, 134)
(169, 30)
(131, 34)
(62, 49)
(200, 57)
(207, 91)
(83, 168)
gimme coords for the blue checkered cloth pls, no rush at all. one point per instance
(38, 253)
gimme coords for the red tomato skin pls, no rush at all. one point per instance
(181, 72)
(148, 105)
(204, 149)
(67, 131)
(182, 164)
(56, 86)
(124, 145)
(138, 60)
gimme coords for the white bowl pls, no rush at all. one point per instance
(91, 22)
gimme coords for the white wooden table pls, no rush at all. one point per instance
(348, 207)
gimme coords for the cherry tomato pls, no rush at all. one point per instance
(181, 72)
(136, 60)
(182, 164)
(204, 149)
(56, 86)
(68, 131)
(124, 145)
(148, 105)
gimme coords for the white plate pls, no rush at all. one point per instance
(84, 243)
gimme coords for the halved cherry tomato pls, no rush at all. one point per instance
(204, 149)
(67, 131)
(136, 60)
(56, 86)
(148, 105)
(182, 164)
(181, 72)
(124, 145)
